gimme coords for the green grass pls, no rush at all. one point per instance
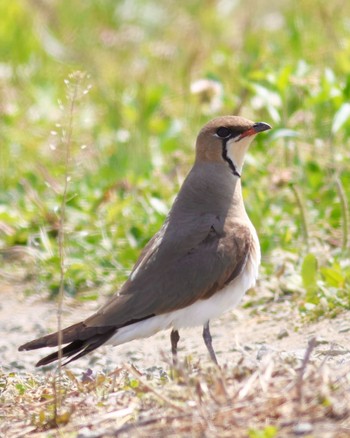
(135, 122)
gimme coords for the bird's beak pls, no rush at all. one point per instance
(260, 127)
(255, 129)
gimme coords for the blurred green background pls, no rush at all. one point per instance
(126, 85)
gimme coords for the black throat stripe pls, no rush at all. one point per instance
(227, 158)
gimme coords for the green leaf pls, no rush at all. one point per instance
(333, 277)
(309, 272)
(341, 116)
(21, 388)
(267, 432)
(284, 133)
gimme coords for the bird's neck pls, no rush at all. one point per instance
(212, 188)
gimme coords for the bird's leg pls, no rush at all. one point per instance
(208, 342)
(174, 337)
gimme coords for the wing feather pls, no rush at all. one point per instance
(171, 279)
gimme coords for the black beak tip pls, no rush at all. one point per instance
(261, 126)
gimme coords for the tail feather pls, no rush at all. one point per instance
(75, 332)
(77, 348)
(67, 351)
(81, 340)
(67, 335)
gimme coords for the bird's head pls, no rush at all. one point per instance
(226, 140)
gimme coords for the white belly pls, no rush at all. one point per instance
(197, 313)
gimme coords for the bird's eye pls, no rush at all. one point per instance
(223, 132)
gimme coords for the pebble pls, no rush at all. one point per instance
(85, 432)
(283, 334)
(302, 428)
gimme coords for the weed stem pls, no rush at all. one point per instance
(345, 212)
(301, 207)
(67, 143)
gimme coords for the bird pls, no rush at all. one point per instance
(197, 266)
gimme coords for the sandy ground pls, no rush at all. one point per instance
(252, 333)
